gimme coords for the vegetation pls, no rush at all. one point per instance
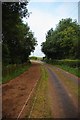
(75, 71)
(70, 63)
(40, 58)
(33, 58)
(11, 71)
(71, 86)
(18, 41)
(63, 42)
(72, 66)
(41, 107)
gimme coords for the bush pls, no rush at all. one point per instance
(33, 58)
(70, 63)
(72, 66)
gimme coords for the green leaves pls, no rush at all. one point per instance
(63, 41)
(18, 39)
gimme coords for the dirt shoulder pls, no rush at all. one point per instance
(15, 92)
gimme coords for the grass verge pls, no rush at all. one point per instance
(18, 70)
(75, 71)
(72, 66)
(68, 83)
(40, 107)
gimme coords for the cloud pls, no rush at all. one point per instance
(40, 23)
(41, 20)
(54, 1)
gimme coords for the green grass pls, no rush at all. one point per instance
(72, 66)
(75, 71)
(41, 108)
(14, 73)
(35, 58)
(67, 82)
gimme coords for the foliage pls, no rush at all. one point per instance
(70, 63)
(72, 66)
(11, 71)
(41, 98)
(75, 71)
(18, 40)
(63, 42)
(33, 58)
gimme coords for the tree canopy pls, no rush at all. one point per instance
(18, 40)
(64, 41)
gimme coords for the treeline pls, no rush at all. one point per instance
(18, 40)
(64, 41)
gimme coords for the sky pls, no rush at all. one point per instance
(46, 14)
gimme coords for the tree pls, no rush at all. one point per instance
(18, 40)
(63, 41)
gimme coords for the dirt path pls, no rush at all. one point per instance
(64, 103)
(16, 92)
(56, 95)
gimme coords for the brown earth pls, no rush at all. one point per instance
(16, 92)
(62, 93)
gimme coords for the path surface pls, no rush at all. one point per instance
(62, 92)
(64, 102)
(16, 92)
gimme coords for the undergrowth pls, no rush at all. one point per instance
(11, 71)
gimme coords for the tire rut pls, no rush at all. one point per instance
(68, 106)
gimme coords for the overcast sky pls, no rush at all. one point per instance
(45, 14)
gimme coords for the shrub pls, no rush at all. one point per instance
(70, 63)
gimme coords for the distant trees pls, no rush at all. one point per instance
(64, 41)
(18, 40)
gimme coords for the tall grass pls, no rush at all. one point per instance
(72, 66)
(13, 70)
(75, 71)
